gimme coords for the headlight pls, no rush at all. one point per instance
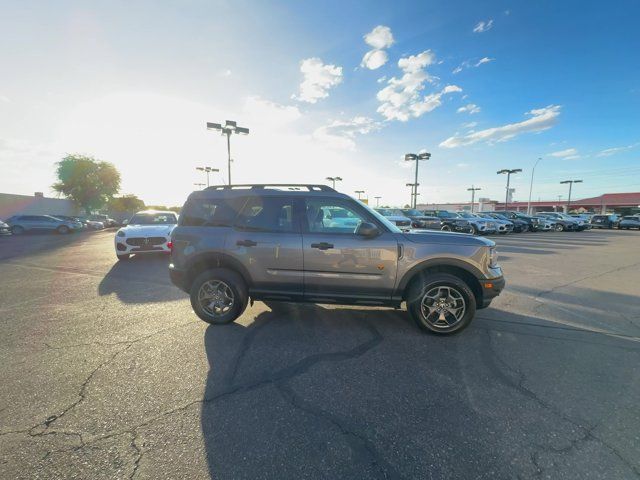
(121, 234)
(493, 257)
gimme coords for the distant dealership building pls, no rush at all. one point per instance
(623, 203)
(36, 204)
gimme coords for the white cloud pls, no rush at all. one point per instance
(4, 99)
(483, 26)
(401, 99)
(340, 134)
(541, 119)
(569, 152)
(381, 79)
(225, 73)
(470, 124)
(318, 79)
(374, 59)
(379, 38)
(607, 152)
(469, 108)
(469, 64)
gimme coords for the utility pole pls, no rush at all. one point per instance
(410, 157)
(229, 127)
(377, 201)
(359, 192)
(508, 172)
(207, 170)
(531, 186)
(473, 191)
(334, 180)
(570, 182)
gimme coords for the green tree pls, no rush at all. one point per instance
(126, 203)
(89, 182)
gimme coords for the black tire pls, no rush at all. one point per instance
(230, 279)
(124, 256)
(446, 228)
(17, 230)
(474, 230)
(559, 227)
(63, 230)
(426, 284)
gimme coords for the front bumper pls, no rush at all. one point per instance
(491, 288)
(124, 248)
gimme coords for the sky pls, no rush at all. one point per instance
(332, 88)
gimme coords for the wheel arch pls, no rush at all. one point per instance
(205, 261)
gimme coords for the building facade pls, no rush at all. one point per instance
(37, 204)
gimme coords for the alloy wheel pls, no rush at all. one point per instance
(216, 298)
(443, 307)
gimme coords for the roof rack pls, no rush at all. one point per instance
(277, 186)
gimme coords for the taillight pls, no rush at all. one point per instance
(170, 246)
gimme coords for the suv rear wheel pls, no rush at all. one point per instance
(441, 303)
(219, 296)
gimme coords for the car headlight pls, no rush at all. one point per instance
(493, 257)
(121, 234)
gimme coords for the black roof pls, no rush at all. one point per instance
(262, 189)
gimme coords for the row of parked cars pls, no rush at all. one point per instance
(62, 224)
(503, 222)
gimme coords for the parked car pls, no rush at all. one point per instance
(629, 222)
(545, 224)
(563, 222)
(451, 222)
(104, 219)
(90, 224)
(268, 243)
(4, 228)
(396, 216)
(420, 220)
(41, 223)
(148, 231)
(605, 221)
(531, 221)
(519, 225)
(479, 225)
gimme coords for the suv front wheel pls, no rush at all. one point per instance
(441, 303)
(219, 296)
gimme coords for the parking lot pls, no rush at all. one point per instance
(107, 373)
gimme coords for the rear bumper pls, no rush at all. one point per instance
(177, 277)
(490, 289)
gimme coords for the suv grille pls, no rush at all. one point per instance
(145, 241)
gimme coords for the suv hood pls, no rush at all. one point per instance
(147, 230)
(432, 236)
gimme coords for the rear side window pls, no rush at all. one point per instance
(211, 212)
(268, 214)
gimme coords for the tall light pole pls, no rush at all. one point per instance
(359, 192)
(473, 191)
(334, 180)
(229, 127)
(531, 186)
(414, 192)
(377, 201)
(200, 184)
(410, 157)
(207, 170)
(570, 182)
(508, 172)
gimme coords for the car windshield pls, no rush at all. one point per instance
(390, 212)
(466, 215)
(413, 213)
(381, 218)
(153, 219)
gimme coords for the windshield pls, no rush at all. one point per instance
(413, 213)
(391, 226)
(466, 215)
(390, 212)
(153, 219)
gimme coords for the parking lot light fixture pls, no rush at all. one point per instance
(359, 192)
(229, 127)
(333, 180)
(377, 201)
(414, 192)
(207, 170)
(473, 191)
(570, 182)
(413, 157)
(509, 172)
(531, 186)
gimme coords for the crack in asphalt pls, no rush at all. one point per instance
(489, 353)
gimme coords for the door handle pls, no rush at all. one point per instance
(322, 245)
(246, 243)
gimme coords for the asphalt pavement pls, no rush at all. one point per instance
(107, 373)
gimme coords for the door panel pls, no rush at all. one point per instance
(337, 262)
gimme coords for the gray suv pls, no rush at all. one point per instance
(276, 243)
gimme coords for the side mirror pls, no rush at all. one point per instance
(368, 230)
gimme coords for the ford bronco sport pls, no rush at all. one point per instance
(283, 243)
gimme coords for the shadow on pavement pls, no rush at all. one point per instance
(16, 246)
(141, 279)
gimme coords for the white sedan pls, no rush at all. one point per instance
(147, 232)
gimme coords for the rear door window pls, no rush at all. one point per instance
(208, 212)
(268, 214)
